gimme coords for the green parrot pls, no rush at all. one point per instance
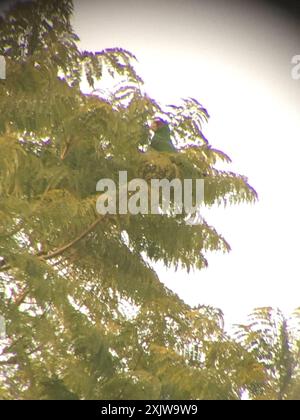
(161, 141)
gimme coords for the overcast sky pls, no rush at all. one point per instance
(236, 60)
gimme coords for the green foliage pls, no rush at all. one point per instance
(86, 315)
(274, 342)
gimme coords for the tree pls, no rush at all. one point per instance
(86, 315)
(274, 342)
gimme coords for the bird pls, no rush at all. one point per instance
(161, 141)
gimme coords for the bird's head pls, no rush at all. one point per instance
(157, 123)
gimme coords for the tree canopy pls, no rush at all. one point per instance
(86, 315)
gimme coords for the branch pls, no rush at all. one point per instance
(4, 268)
(22, 296)
(66, 148)
(61, 250)
(12, 361)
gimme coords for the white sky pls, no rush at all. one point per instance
(236, 60)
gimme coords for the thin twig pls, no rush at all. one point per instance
(61, 250)
(20, 299)
(22, 296)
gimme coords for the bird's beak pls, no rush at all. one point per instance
(153, 126)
